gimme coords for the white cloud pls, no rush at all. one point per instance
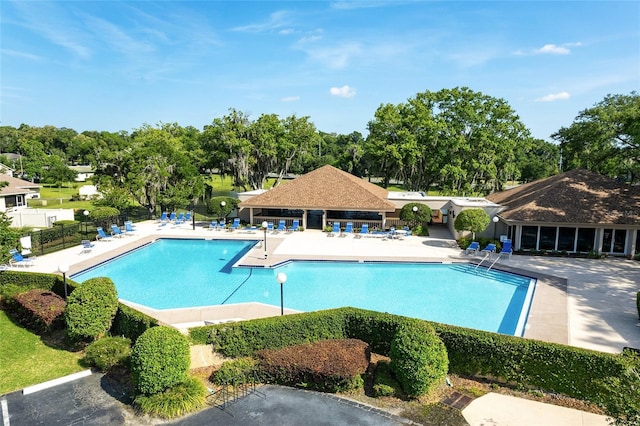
(553, 49)
(290, 99)
(552, 97)
(276, 21)
(343, 92)
(24, 55)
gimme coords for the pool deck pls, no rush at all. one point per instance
(582, 302)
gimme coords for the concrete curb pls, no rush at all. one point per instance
(55, 382)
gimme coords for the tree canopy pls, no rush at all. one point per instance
(605, 138)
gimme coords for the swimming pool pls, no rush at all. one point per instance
(170, 274)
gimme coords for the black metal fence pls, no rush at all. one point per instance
(65, 235)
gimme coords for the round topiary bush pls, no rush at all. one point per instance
(108, 352)
(159, 360)
(91, 308)
(418, 358)
(176, 401)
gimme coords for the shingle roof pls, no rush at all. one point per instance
(326, 188)
(16, 186)
(576, 197)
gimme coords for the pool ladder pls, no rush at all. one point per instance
(488, 256)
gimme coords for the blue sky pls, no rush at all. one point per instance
(108, 65)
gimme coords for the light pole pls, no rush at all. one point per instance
(222, 204)
(282, 278)
(264, 242)
(415, 221)
(86, 225)
(495, 220)
(63, 269)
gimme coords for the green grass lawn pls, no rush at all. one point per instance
(26, 360)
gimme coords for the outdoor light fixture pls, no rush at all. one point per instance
(415, 222)
(282, 278)
(495, 219)
(264, 242)
(222, 204)
(86, 225)
(63, 269)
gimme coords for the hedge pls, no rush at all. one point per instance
(574, 372)
(127, 323)
(418, 358)
(91, 309)
(159, 360)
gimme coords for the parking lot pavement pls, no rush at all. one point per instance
(97, 400)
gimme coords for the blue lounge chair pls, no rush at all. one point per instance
(102, 235)
(506, 248)
(270, 226)
(295, 226)
(473, 247)
(281, 227)
(163, 217)
(347, 230)
(180, 218)
(364, 231)
(335, 230)
(129, 227)
(172, 217)
(213, 226)
(18, 260)
(87, 246)
(235, 225)
(489, 249)
(187, 217)
(116, 232)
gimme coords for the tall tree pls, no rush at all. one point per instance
(605, 138)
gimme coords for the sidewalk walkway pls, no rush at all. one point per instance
(504, 410)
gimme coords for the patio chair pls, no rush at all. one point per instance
(347, 230)
(295, 226)
(364, 231)
(506, 249)
(116, 232)
(87, 246)
(473, 247)
(235, 225)
(172, 217)
(25, 243)
(187, 217)
(269, 226)
(180, 218)
(489, 249)
(213, 226)
(18, 260)
(163, 217)
(102, 236)
(335, 230)
(281, 227)
(129, 227)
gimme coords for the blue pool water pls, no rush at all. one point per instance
(171, 274)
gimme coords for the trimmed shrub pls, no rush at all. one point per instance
(183, 398)
(418, 358)
(131, 323)
(159, 360)
(238, 370)
(91, 309)
(384, 384)
(31, 280)
(100, 213)
(246, 337)
(108, 352)
(329, 365)
(38, 310)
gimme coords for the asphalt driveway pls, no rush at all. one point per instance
(97, 400)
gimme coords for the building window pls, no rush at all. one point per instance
(529, 237)
(586, 239)
(614, 240)
(566, 239)
(547, 238)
